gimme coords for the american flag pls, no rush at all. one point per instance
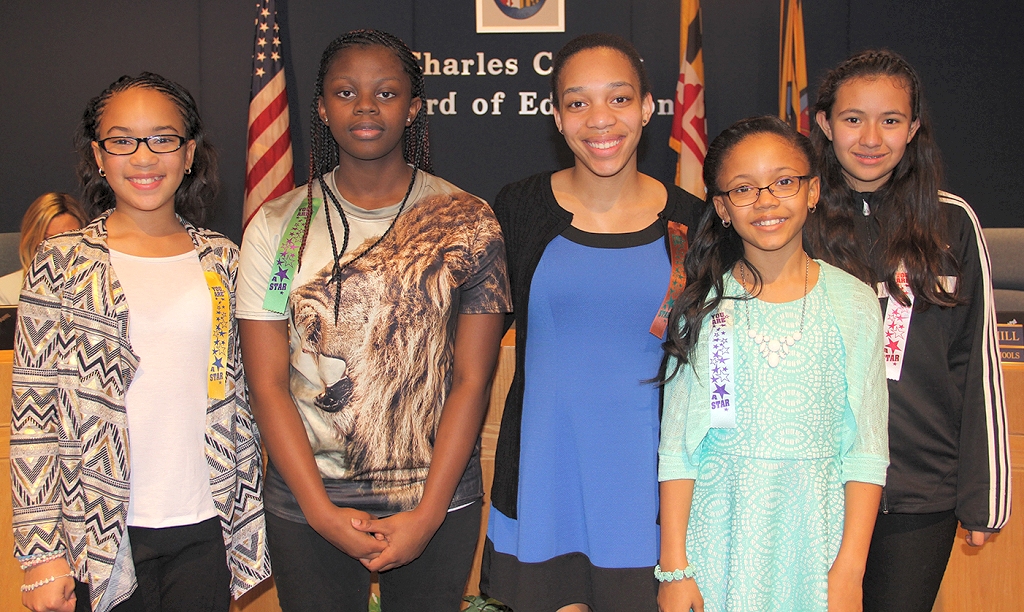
(793, 67)
(689, 125)
(268, 164)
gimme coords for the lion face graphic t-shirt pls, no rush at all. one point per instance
(370, 383)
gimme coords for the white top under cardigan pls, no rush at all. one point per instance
(169, 328)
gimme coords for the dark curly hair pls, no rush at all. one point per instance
(715, 249)
(912, 220)
(195, 195)
(597, 41)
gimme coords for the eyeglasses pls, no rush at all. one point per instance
(126, 145)
(785, 187)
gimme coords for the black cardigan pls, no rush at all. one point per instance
(530, 218)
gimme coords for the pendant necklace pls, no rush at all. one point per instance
(338, 266)
(775, 350)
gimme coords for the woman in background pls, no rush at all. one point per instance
(50, 214)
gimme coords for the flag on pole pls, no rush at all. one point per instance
(268, 163)
(689, 126)
(793, 67)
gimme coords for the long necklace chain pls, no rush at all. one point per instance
(337, 268)
(771, 349)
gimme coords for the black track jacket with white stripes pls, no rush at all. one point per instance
(947, 416)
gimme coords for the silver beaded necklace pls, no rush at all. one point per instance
(775, 350)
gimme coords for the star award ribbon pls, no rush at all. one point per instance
(720, 367)
(287, 260)
(897, 325)
(897, 320)
(219, 334)
(677, 253)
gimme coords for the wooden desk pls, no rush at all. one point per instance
(990, 579)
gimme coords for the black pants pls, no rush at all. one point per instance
(178, 569)
(907, 560)
(314, 576)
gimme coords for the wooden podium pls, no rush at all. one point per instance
(990, 579)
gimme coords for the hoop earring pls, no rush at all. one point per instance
(813, 208)
(726, 223)
(102, 173)
(188, 170)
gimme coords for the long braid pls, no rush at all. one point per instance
(323, 150)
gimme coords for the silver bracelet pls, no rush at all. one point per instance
(41, 558)
(679, 574)
(25, 588)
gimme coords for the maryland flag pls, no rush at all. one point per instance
(689, 127)
(793, 67)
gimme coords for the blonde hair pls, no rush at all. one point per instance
(37, 218)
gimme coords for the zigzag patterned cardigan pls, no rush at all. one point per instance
(70, 470)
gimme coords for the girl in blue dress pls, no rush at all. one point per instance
(774, 443)
(575, 495)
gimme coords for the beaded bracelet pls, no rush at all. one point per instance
(41, 558)
(25, 588)
(678, 574)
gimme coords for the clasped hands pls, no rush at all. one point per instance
(379, 544)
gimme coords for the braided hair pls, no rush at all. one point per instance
(194, 196)
(323, 150)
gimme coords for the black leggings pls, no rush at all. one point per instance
(313, 576)
(179, 569)
(907, 560)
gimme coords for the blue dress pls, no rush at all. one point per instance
(588, 462)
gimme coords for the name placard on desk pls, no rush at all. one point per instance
(1011, 337)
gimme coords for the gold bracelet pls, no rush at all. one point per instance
(25, 588)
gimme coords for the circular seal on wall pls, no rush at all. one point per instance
(519, 9)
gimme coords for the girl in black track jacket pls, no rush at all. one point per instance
(884, 220)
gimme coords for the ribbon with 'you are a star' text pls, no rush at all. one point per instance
(219, 335)
(286, 263)
(720, 367)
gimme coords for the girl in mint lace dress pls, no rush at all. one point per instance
(774, 444)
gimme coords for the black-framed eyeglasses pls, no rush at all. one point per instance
(784, 187)
(126, 145)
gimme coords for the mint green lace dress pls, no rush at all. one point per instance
(767, 515)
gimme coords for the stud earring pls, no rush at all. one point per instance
(102, 173)
(726, 223)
